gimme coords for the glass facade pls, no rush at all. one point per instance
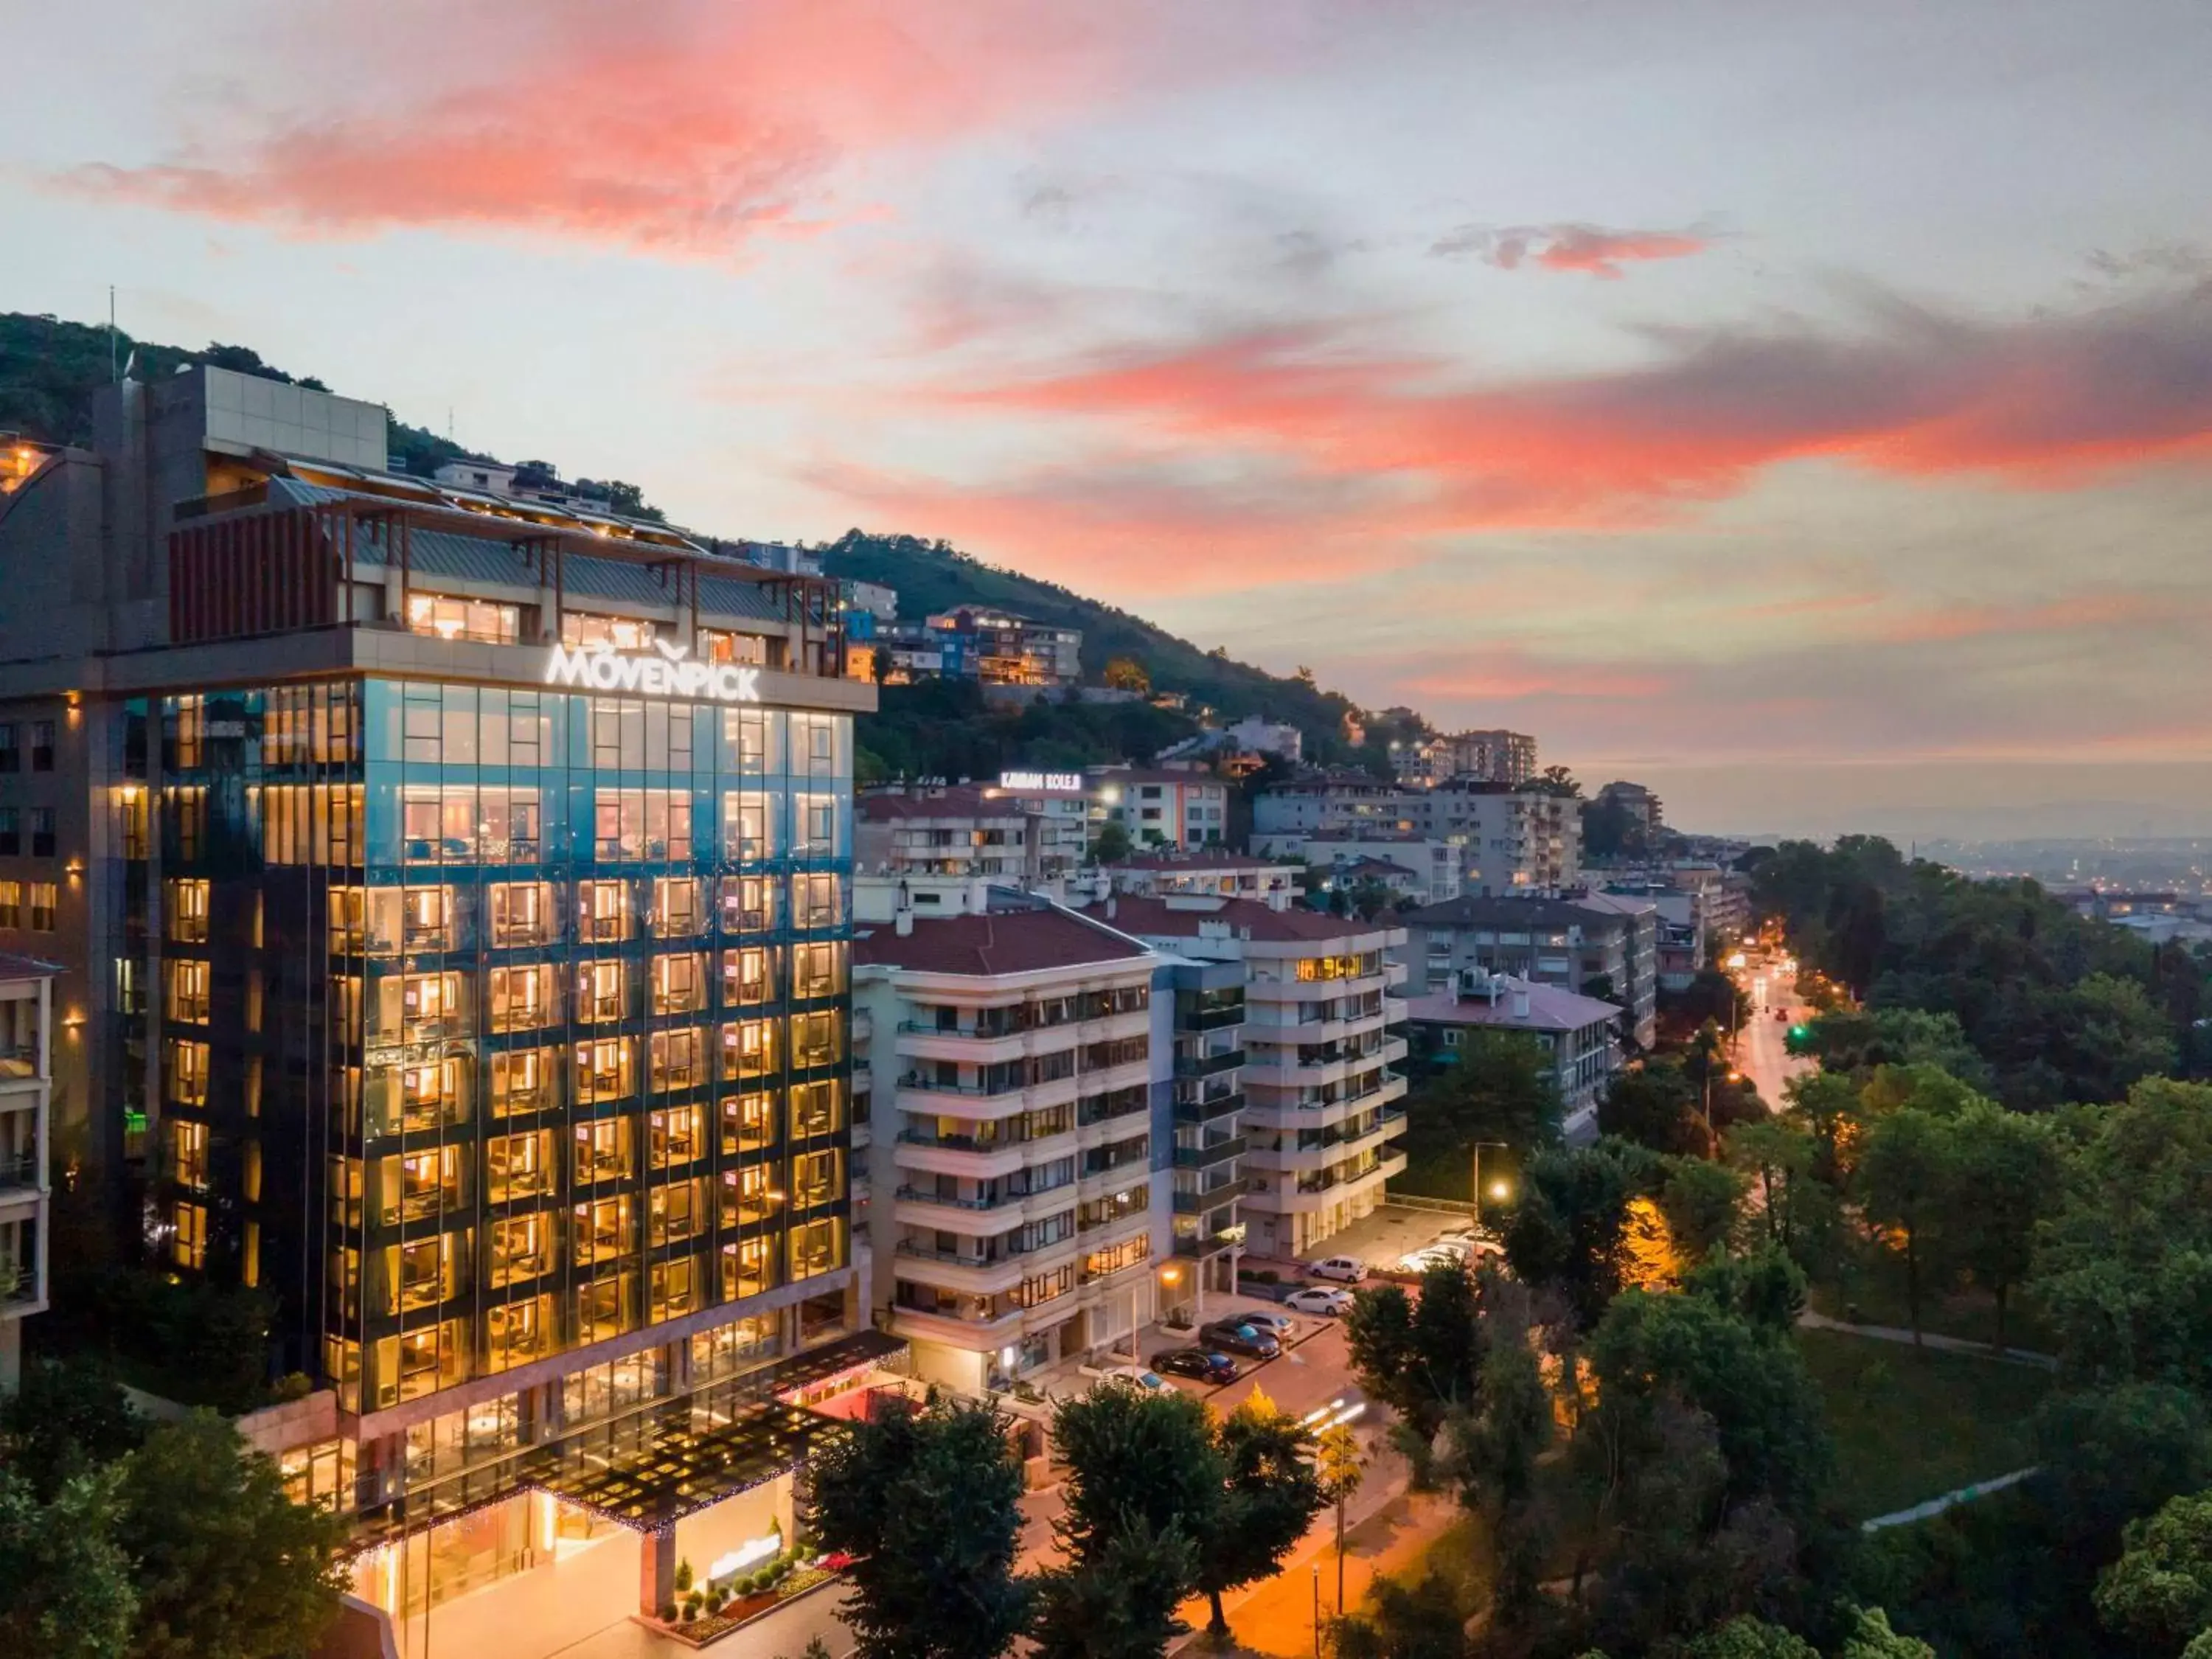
(495, 1024)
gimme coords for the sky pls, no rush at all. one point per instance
(1804, 409)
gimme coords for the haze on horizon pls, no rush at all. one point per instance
(1803, 410)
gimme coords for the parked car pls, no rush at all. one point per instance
(1135, 1375)
(1281, 1326)
(1235, 1337)
(1434, 1255)
(1349, 1269)
(1321, 1299)
(1199, 1362)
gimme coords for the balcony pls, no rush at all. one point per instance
(1212, 1199)
(1198, 1246)
(1283, 1196)
(1205, 1065)
(1206, 1156)
(1207, 1111)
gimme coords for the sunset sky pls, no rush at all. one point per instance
(1804, 409)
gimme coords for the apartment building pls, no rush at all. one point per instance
(962, 831)
(1578, 1034)
(1324, 806)
(1605, 948)
(450, 899)
(1162, 808)
(1434, 867)
(1482, 757)
(1000, 648)
(1206, 1030)
(1323, 1041)
(1262, 880)
(1512, 840)
(1017, 1217)
(26, 1032)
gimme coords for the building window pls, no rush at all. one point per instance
(818, 969)
(815, 1109)
(603, 1070)
(42, 832)
(521, 1247)
(605, 1230)
(185, 1071)
(11, 758)
(307, 823)
(188, 1153)
(602, 991)
(748, 904)
(716, 645)
(11, 830)
(522, 912)
(517, 1333)
(678, 984)
(679, 909)
(747, 829)
(521, 1081)
(186, 910)
(185, 995)
(42, 745)
(676, 1061)
(11, 904)
(815, 1039)
(607, 1306)
(460, 823)
(676, 1289)
(748, 1268)
(603, 911)
(188, 1241)
(816, 900)
(520, 1166)
(521, 997)
(449, 617)
(642, 824)
(748, 979)
(748, 1049)
(584, 628)
(674, 1213)
(748, 1123)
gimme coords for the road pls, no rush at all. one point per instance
(1762, 1049)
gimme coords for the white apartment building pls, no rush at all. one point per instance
(1512, 840)
(1266, 881)
(26, 1024)
(1162, 808)
(1579, 1034)
(1009, 1064)
(1323, 1034)
(1439, 865)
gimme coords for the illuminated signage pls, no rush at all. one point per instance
(666, 675)
(1040, 781)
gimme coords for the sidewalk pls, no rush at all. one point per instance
(1817, 1322)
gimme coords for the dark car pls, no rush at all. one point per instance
(1248, 1339)
(1196, 1363)
(1782, 1015)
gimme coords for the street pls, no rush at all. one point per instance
(1762, 1051)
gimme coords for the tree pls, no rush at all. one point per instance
(2124, 1273)
(1494, 1447)
(1127, 674)
(1703, 1203)
(68, 1417)
(927, 1502)
(1796, 1210)
(1271, 1494)
(1907, 1175)
(2158, 1592)
(1871, 1638)
(64, 1583)
(224, 1562)
(1341, 1466)
(1120, 1601)
(1654, 1105)
(1750, 1638)
(1765, 1288)
(1501, 1088)
(1423, 1620)
(1556, 780)
(1418, 1356)
(1567, 1233)
(1111, 844)
(2005, 1173)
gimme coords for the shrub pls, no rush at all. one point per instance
(690, 1612)
(667, 1612)
(715, 1600)
(683, 1575)
(695, 1601)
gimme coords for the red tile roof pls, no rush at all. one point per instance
(965, 800)
(1018, 942)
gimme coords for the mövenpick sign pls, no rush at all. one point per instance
(602, 668)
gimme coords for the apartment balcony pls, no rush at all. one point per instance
(969, 1100)
(1197, 1247)
(1212, 1198)
(1222, 1106)
(1307, 1160)
(1287, 1197)
(1205, 1065)
(1119, 1178)
(957, 1155)
(1315, 1074)
(1212, 1019)
(864, 1026)
(922, 1039)
(1277, 992)
(1224, 1150)
(1269, 1110)
(978, 1275)
(19, 1177)
(918, 1206)
(864, 1130)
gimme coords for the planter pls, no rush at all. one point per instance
(711, 1627)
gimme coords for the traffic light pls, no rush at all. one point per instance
(1799, 1033)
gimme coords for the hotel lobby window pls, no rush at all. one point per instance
(451, 617)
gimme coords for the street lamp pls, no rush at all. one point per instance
(1474, 1178)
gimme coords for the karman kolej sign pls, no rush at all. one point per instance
(665, 674)
(1040, 781)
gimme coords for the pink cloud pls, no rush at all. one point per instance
(1591, 249)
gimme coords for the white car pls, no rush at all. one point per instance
(1319, 1299)
(1281, 1326)
(1150, 1381)
(1349, 1269)
(1434, 1255)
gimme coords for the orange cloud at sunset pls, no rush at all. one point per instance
(679, 128)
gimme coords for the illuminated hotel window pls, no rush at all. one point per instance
(747, 976)
(604, 1230)
(818, 969)
(676, 1060)
(818, 1247)
(748, 904)
(717, 645)
(748, 829)
(185, 991)
(815, 1109)
(748, 1268)
(603, 1150)
(603, 1070)
(607, 1306)
(516, 1332)
(185, 1071)
(676, 1289)
(603, 911)
(522, 999)
(521, 1080)
(522, 912)
(11, 904)
(642, 824)
(520, 1165)
(188, 1153)
(185, 909)
(748, 1049)
(450, 617)
(748, 1196)
(815, 1039)
(460, 823)
(679, 983)
(188, 1244)
(748, 1123)
(816, 902)
(584, 628)
(679, 1136)
(521, 1247)
(674, 1213)
(678, 909)
(602, 991)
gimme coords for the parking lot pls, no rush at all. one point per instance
(1380, 1240)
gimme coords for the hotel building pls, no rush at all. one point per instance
(451, 895)
(1323, 1032)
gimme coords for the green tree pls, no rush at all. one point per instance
(1906, 1176)
(1798, 1211)
(927, 1502)
(1765, 1287)
(1417, 1355)
(1499, 1088)
(1703, 1203)
(2158, 1592)
(1120, 1600)
(1270, 1493)
(225, 1565)
(1654, 1105)
(64, 1582)
(1871, 1638)
(1127, 674)
(2005, 1175)
(2124, 1272)
(1567, 1233)
(1111, 844)
(68, 1417)
(1750, 1638)
(1422, 1620)
(1341, 1466)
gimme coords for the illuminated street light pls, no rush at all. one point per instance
(1500, 1191)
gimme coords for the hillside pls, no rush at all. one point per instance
(931, 576)
(50, 369)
